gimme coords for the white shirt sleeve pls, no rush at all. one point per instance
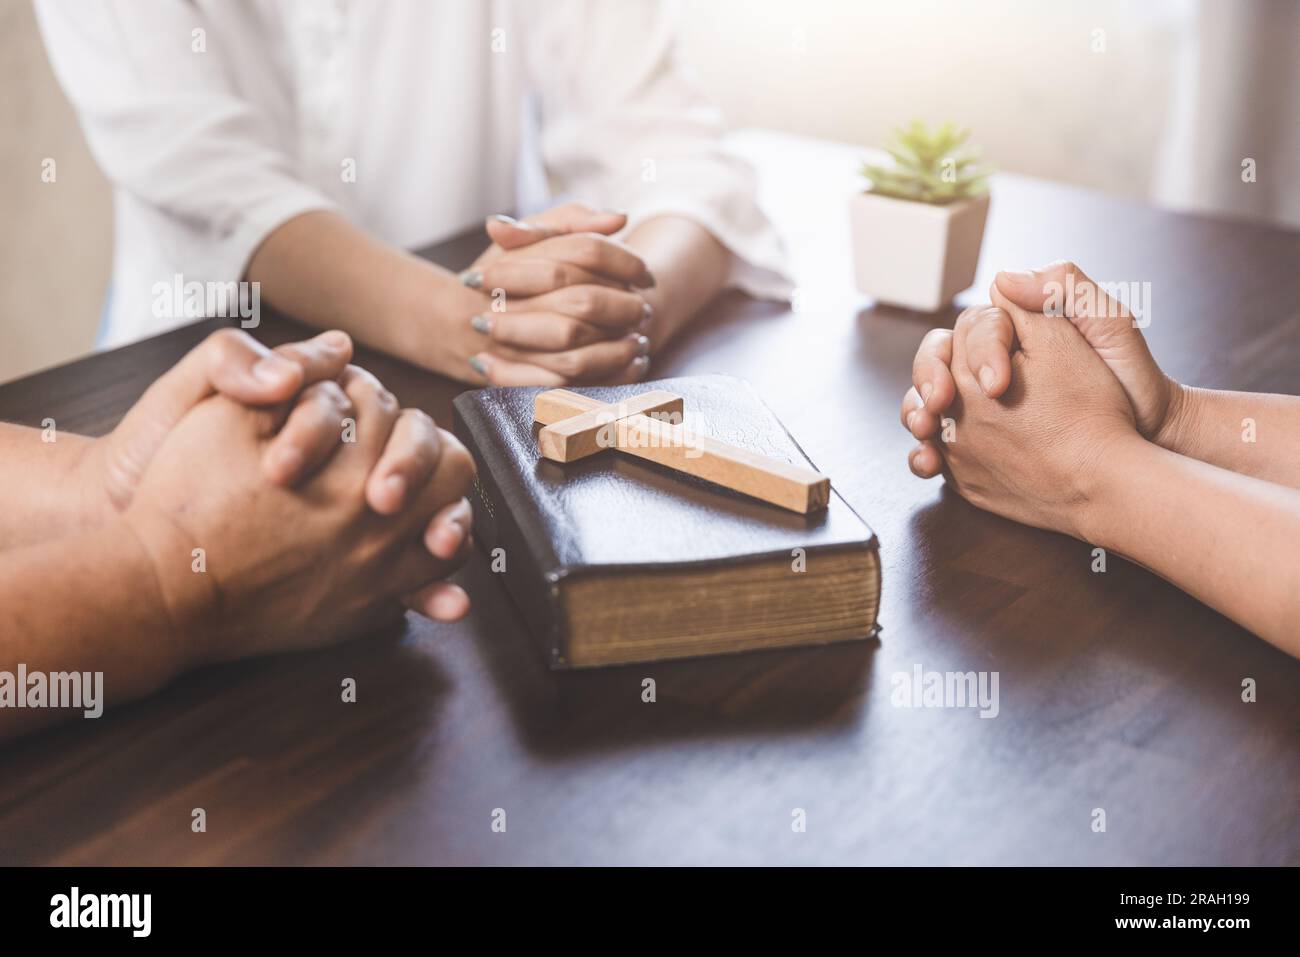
(168, 127)
(622, 127)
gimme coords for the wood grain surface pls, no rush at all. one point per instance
(1116, 691)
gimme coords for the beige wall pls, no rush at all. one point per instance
(55, 238)
(1042, 91)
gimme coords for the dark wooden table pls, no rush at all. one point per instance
(1116, 690)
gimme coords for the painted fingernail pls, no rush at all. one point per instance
(986, 378)
(926, 389)
(471, 278)
(396, 486)
(479, 365)
(642, 345)
(274, 369)
(482, 324)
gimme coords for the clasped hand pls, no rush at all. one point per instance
(562, 301)
(1019, 409)
(319, 505)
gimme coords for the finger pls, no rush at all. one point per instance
(1022, 321)
(522, 275)
(310, 434)
(494, 370)
(441, 502)
(916, 418)
(635, 371)
(228, 361)
(449, 529)
(925, 461)
(232, 362)
(596, 362)
(411, 568)
(320, 358)
(990, 339)
(441, 601)
(510, 233)
(598, 255)
(238, 366)
(375, 414)
(408, 461)
(571, 218)
(543, 331)
(1060, 288)
(616, 309)
(931, 373)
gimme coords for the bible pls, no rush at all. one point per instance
(614, 558)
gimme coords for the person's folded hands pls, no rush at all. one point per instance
(231, 363)
(564, 301)
(1033, 452)
(247, 566)
(1107, 325)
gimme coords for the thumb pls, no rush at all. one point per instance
(1022, 319)
(230, 362)
(1063, 289)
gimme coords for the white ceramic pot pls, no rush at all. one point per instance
(915, 254)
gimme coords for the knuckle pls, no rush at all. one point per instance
(570, 365)
(570, 334)
(225, 345)
(357, 382)
(932, 340)
(967, 318)
(590, 249)
(583, 301)
(226, 337)
(335, 395)
(420, 420)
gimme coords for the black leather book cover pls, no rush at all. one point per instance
(612, 511)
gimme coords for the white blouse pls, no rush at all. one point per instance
(218, 120)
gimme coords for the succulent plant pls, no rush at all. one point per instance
(929, 167)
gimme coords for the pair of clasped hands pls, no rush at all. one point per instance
(1018, 408)
(309, 536)
(563, 302)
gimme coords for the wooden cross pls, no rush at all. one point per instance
(649, 426)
